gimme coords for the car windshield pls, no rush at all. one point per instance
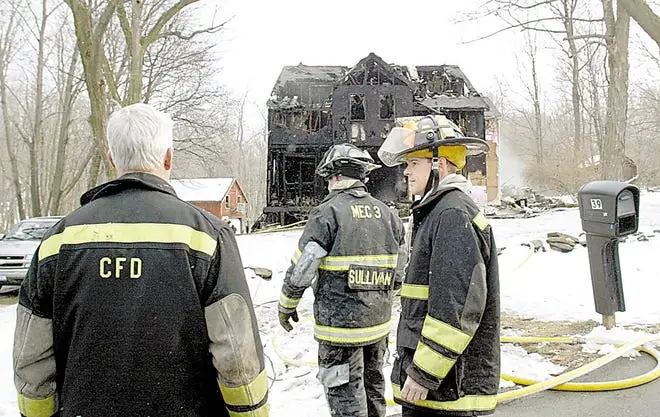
(30, 230)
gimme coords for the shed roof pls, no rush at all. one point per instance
(202, 189)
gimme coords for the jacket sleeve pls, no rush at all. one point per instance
(34, 357)
(457, 299)
(234, 334)
(314, 244)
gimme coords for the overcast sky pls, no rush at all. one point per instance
(265, 35)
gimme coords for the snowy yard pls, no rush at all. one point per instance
(548, 286)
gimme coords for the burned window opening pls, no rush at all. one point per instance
(299, 170)
(357, 133)
(316, 120)
(386, 107)
(358, 110)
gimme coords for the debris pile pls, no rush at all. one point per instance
(526, 202)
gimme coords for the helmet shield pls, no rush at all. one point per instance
(426, 132)
(346, 159)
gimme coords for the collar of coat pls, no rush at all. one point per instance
(141, 180)
(351, 186)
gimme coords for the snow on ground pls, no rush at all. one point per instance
(547, 286)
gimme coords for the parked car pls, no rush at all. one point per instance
(19, 245)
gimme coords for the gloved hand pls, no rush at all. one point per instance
(284, 319)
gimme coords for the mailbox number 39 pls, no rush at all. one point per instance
(596, 204)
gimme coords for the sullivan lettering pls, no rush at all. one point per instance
(369, 278)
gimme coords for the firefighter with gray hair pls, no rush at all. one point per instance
(136, 304)
(448, 344)
(352, 254)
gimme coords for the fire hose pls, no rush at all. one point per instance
(560, 382)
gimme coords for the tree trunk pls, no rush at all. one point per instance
(575, 79)
(36, 143)
(538, 119)
(6, 43)
(63, 137)
(137, 54)
(617, 37)
(89, 39)
(644, 16)
(11, 153)
(597, 117)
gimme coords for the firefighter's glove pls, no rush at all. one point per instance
(284, 319)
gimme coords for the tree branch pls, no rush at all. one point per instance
(125, 26)
(180, 35)
(164, 19)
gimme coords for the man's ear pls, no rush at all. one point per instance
(112, 162)
(167, 164)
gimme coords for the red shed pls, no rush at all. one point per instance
(222, 197)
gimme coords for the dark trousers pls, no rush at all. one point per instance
(353, 379)
(410, 412)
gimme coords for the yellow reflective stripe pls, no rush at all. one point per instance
(296, 256)
(419, 292)
(351, 335)
(129, 233)
(288, 302)
(432, 362)
(44, 407)
(246, 395)
(467, 403)
(480, 221)
(341, 263)
(258, 412)
(445, 335)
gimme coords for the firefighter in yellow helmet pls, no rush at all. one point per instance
(448, 335)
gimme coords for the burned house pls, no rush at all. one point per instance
(314, 107)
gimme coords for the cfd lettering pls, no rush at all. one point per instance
(120, 267)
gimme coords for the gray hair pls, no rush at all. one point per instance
(139, 137)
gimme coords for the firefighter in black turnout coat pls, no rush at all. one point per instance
(448, 335)
(136, 304)
(351, 253)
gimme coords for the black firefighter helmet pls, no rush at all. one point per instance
(346, 159)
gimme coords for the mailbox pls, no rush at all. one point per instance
(609, 210)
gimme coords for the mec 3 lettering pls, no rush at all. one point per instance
(362, 211)
(118, 267)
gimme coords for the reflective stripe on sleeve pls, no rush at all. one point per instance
(246, 396)
(44, 407)
(432, 362)
(445, 335)
(418, 292)
(296, 256)
(480, 220)
(288, 302)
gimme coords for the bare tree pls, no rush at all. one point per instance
(7, 51)
(643, 14)
(90, 27)
(617, 28)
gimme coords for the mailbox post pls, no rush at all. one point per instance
(609, 210)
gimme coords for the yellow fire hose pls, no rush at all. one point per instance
(561, 382)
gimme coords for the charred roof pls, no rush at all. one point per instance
(436, 87)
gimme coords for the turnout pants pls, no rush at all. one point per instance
(410, 412)
(353, 379)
